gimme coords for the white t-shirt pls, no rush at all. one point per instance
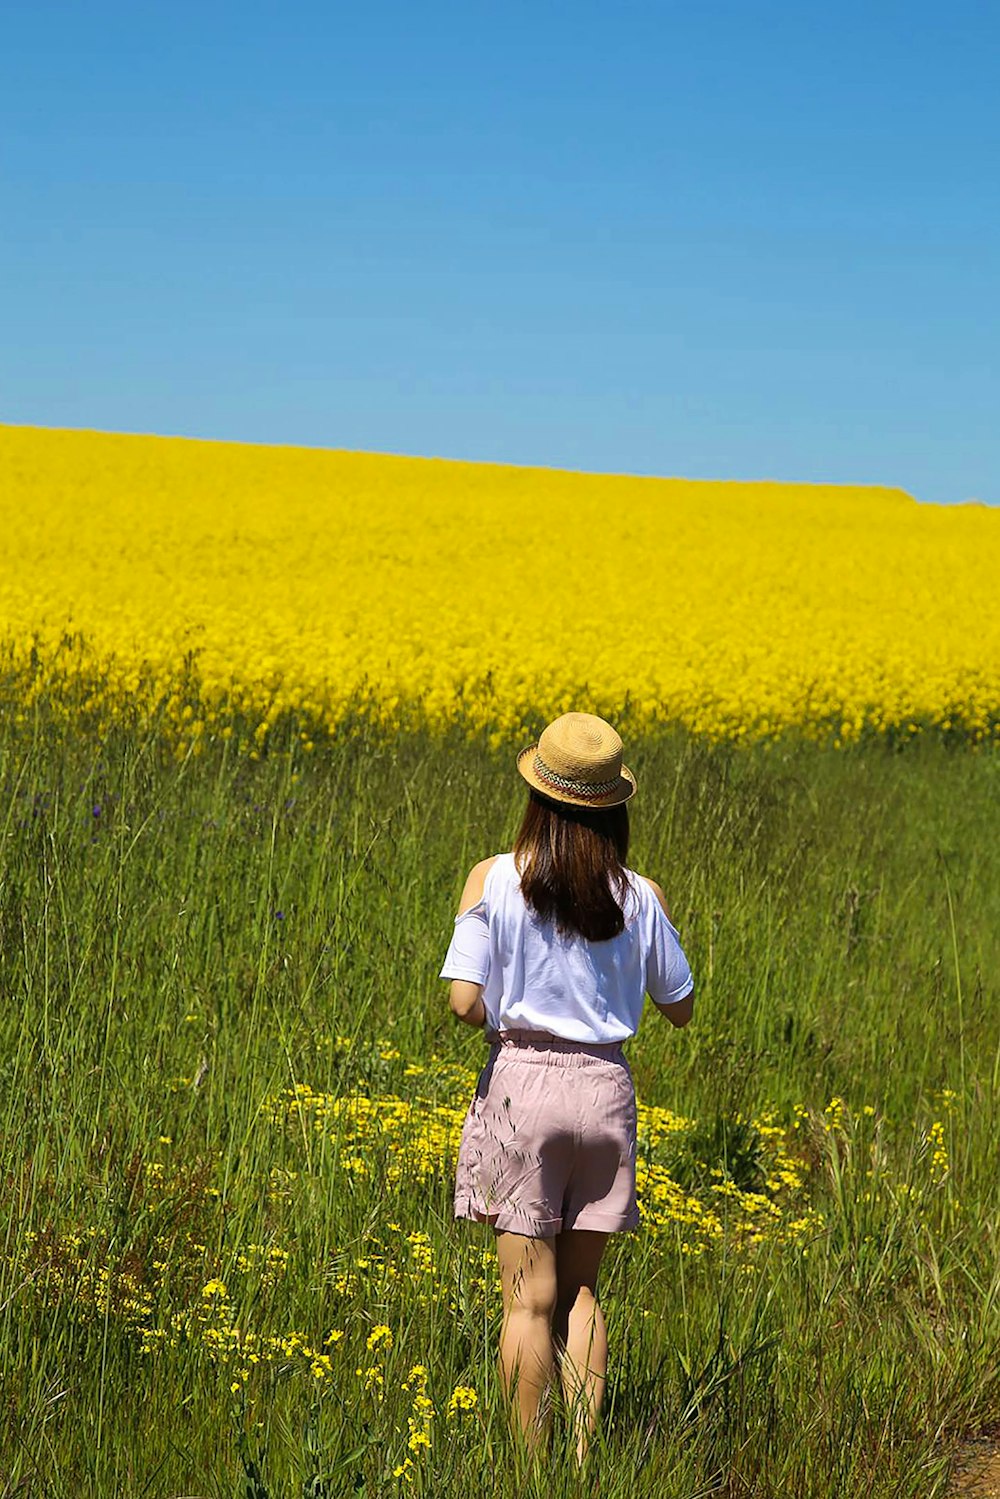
(538, 980)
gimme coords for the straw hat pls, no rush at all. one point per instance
(578, 759)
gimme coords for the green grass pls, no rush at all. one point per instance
(180, 942)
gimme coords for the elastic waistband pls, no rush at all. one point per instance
(540, 1046)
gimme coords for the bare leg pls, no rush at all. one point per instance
(579, 1330)
(528, 1277)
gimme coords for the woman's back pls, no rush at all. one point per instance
(537, 978)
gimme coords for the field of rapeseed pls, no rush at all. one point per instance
(207, 584)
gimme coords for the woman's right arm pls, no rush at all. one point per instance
(678, 1011)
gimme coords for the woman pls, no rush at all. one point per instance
(555, 946)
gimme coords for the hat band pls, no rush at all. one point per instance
(567, 783)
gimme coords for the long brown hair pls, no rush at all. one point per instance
(572, 866)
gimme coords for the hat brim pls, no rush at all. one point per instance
(625, 788)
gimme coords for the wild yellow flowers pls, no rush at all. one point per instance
(208, 583)
(346, 1328)
(392, 1139)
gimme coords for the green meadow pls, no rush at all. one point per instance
(231, 1085)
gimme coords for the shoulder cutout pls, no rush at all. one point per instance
(474, 884)
(658, 893)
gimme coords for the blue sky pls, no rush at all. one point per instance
(730, 240)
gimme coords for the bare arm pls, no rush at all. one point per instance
(680, 1012)
(466, 1001)
(464, 997)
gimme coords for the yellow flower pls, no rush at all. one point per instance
(462, 1399)
(939, 1150)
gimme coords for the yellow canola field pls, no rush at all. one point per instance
(203, 579)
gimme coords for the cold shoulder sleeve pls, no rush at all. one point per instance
(468, 955)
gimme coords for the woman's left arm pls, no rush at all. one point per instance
(466, 997)
(466, 1001)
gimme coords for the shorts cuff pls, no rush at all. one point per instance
(604, 1223)
(508, 1220)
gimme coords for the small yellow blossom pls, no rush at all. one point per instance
(939, 1150)
(379, 1337)
(462, 1398)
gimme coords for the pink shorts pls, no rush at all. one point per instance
(549, 1139)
